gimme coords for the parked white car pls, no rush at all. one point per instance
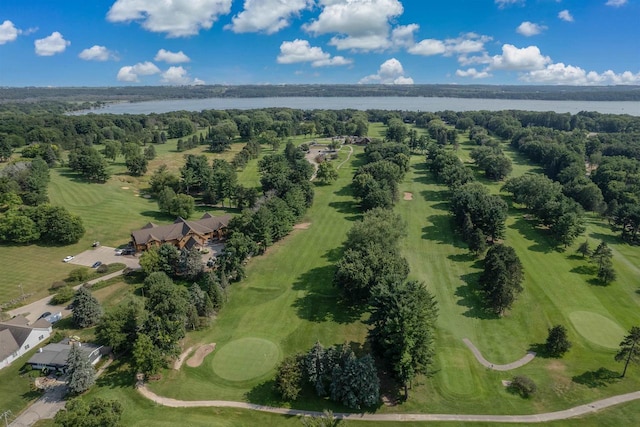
(68, 258)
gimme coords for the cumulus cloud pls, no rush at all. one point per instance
(403, 35)
(473, 73)
(428, 47)
(560, 73)
(177, 75)
(504, 3)
(132, 73)
(390, 72)
(463, 45)
(8, 32)
(565, 15)
(513, 58)
(171, 57)
(51, 45)
(96, 53)
(176, 18)
(360, 24)
(267, 16)
(529, 29)
(299, 51)
(616, 3)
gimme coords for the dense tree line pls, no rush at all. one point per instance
(544, 198)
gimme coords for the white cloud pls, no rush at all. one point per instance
(513, 58)
(132, 73)
(402, 35)
(473, 73)
(49, 46)
(463, 45)
(428, 47)
(360, 24)
(565, 15)
(176, 18)
(504, 3)
(8, 32)
(179, 76)
(171, 57)
(616, 3)
(96, 53)
(529, 29)
(560, 73)
(268, 16)
(390, 72)
(299, 51)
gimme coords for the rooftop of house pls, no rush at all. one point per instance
(14, 332)
(56, 355)
(180, 228)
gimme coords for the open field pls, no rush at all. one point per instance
(554, 289)
(288, 302)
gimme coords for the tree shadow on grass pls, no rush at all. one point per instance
(118, 375)
(540, 349)
(470, 297)
(440, 196)
(587, 270)
(465, 257)
(441, 231)
(598, 378)
(158, 216)
(529, 231)
(321, 301)
(265, 394)
(348, 208)
(607, 238)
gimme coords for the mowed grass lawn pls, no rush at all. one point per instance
(267, 305)
(557, 291)
(287, 299)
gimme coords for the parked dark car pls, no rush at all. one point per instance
(45, 314)
(96, 264)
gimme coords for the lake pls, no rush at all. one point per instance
(366, 103)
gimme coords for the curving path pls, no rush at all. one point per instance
(348, 156)
(509, 366)
(576, 411)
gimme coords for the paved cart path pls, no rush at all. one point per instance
(509, 366)
(576, 411)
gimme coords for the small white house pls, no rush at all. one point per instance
(17, 337)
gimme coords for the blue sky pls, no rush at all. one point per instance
(186, 42)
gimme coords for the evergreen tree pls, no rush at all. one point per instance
(80, 373)
(629, 349)
(557, 342)
(86, 308)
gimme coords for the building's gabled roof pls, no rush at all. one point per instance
(8, 344)
(14, 332)
(179, 229)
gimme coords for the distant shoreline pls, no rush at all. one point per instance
(153, 93)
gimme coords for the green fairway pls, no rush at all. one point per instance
(245, 359)
(598, 329)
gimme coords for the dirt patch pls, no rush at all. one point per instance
(302, 226)
(506, 383)
(408, 196)
(202, 352)
(125, 188)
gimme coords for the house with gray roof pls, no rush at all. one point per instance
(17, 337)
(53, 357)
(182, 233)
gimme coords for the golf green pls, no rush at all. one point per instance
(598, 329)
(246, 359)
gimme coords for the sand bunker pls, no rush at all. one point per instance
(125, 188)
(178, 362)
(202, 352)
(302, 226)
(408, 196)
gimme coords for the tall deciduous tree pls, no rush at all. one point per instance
(501, 279)
(326, 173)
(629, 349)
(97, 413)
(80, 373)
(403, 316)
